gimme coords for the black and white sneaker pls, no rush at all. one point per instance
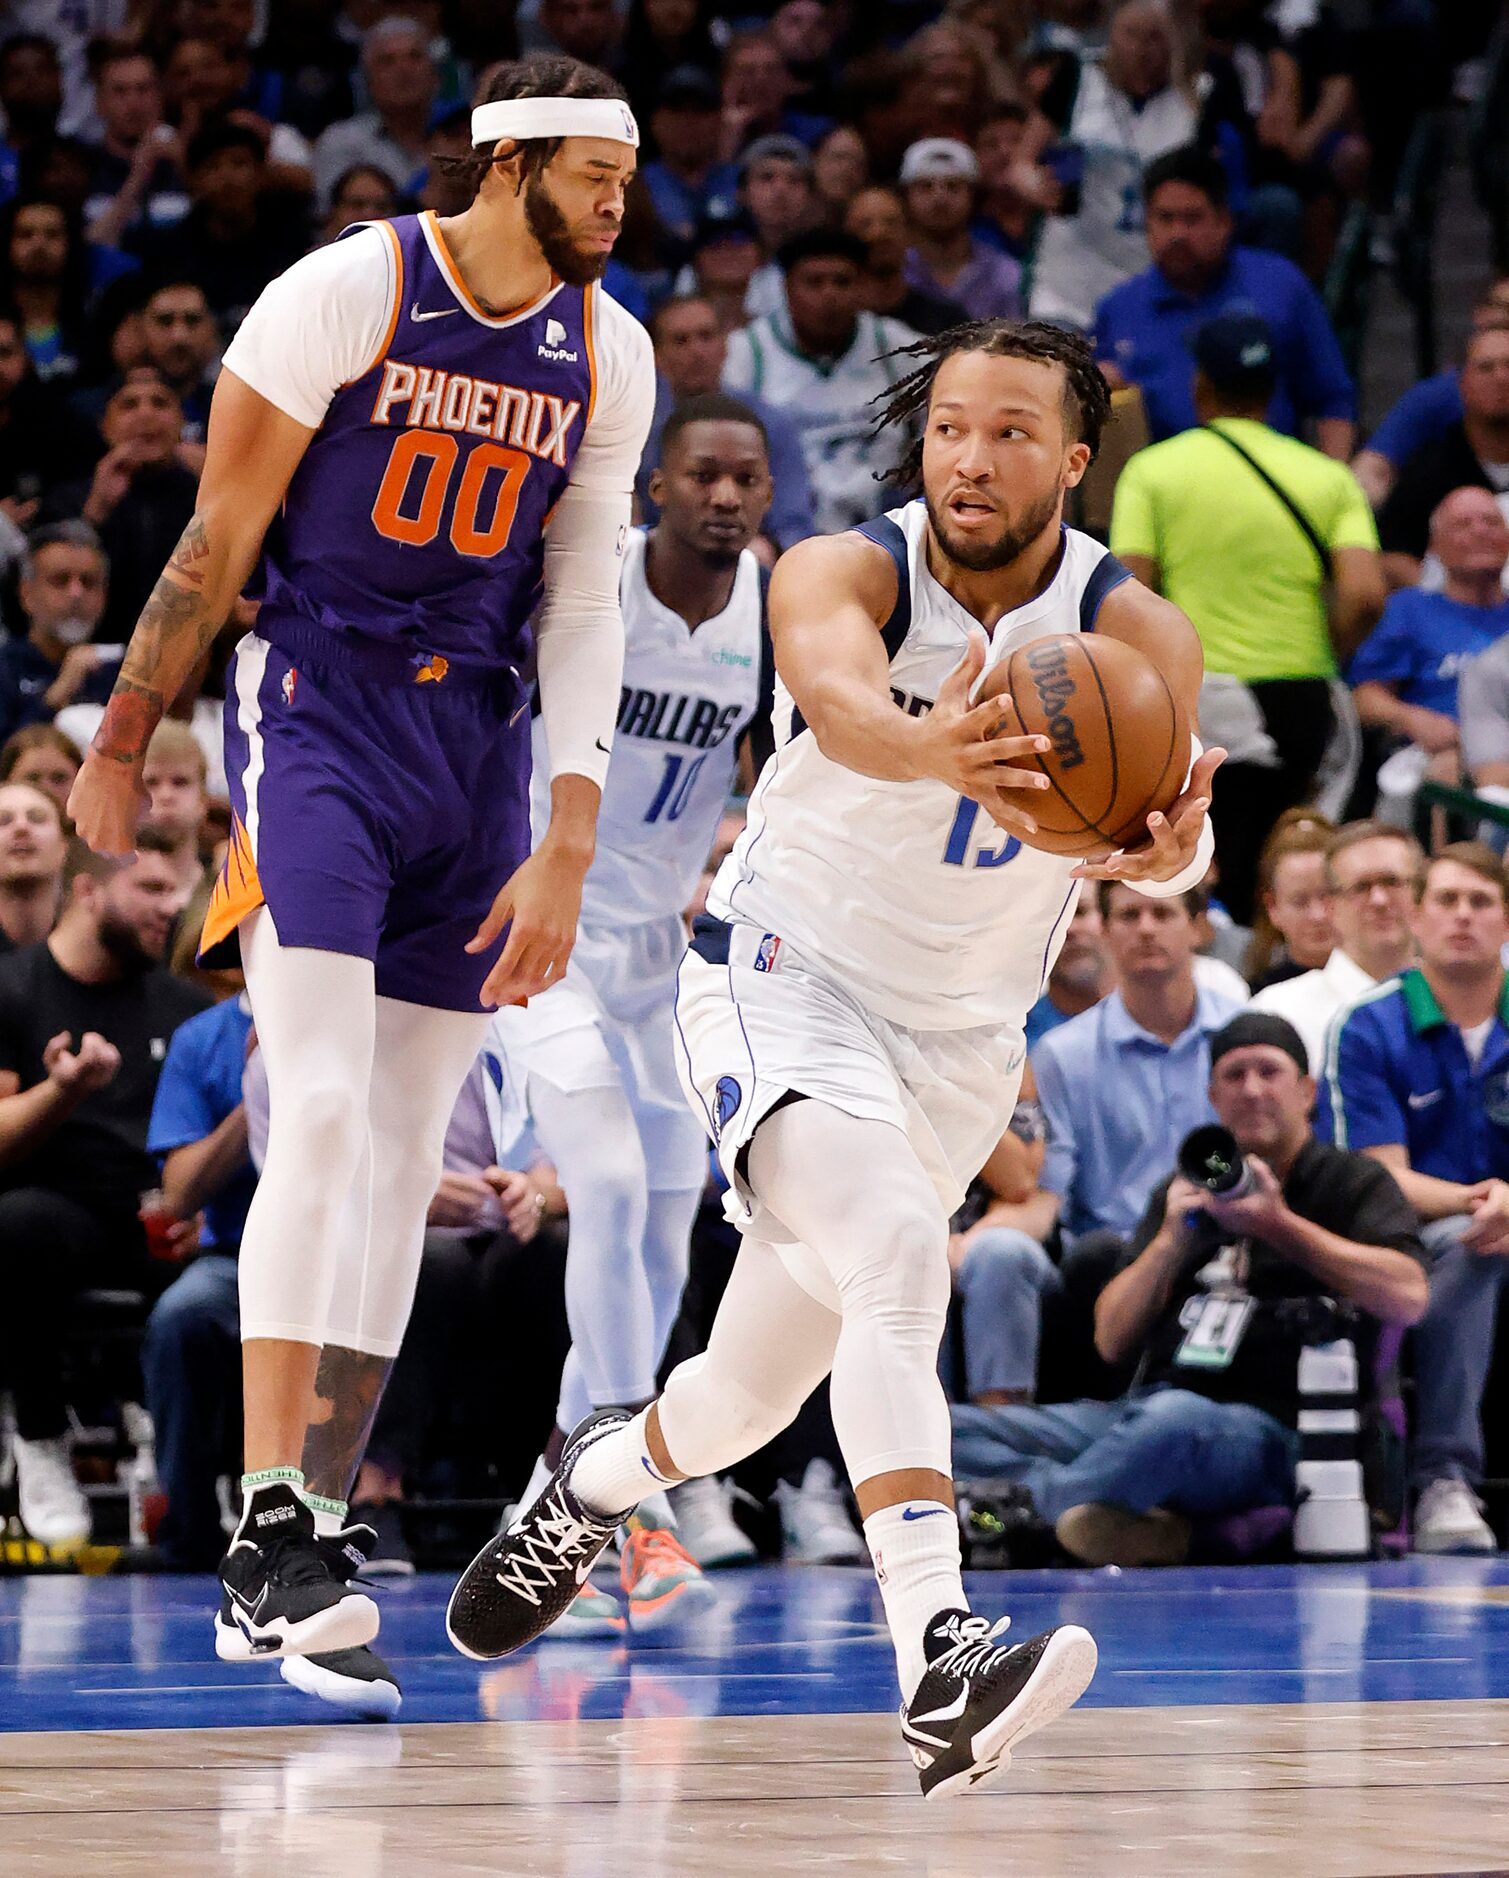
(279, 1593)
(524, 1578)
(979, 1697)
(357, 1681)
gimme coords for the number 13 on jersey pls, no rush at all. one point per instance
(961, 837)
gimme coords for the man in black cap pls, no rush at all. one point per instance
(1270, 549)
(1215, 1302)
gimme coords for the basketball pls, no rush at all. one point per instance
(1120, 739)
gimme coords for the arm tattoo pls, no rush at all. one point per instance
(174, 631)
(347, 1391)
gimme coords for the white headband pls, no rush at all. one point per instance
(524, 118)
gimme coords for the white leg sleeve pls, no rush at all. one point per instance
(420, 1060)
(667, 1253)
(667, 1243)
(590, 1136)
(771, 1345)
(315, 1014)
(856, 1194)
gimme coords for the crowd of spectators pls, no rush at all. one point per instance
(823, 182)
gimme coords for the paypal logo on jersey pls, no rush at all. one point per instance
(555, 340)
(726, 1100)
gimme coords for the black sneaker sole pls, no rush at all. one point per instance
(345, 1625)
(1064, 1671)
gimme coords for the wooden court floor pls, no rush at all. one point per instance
(1321, 1722)
(1332, 1791)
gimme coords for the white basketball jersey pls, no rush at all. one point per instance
(927, 910)
(1084, 256)
(687, 695)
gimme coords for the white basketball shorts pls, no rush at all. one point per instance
(756, 1022)
(609, 1023)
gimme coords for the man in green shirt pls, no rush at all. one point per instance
(1270, 548)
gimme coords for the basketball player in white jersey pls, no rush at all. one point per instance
(591, 1064)
(850, 1017)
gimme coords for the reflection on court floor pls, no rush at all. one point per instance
(1348, 1720)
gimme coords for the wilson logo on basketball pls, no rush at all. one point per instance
(1054, 687)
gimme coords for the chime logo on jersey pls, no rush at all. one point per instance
(765, 956)
(727, 1097)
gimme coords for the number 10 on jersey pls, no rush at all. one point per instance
(676, 787)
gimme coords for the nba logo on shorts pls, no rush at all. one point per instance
(765, 957)
(290, 679)
(727, 1098)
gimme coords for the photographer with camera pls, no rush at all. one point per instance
(1222, 1292)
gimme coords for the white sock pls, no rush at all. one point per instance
(915, 1547)
(538, 1481)
(615, 1473)
(327, 1522)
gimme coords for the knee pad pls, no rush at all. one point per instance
(323, 1120)
(711, 1420)
(901, 1273)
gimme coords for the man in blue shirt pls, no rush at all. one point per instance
(1405, 673)
(1417, 1073)
(1124, 1083)
(191, 1357)
(1143, 329)
(690, 347)
(1425, 412)
(685, 181)
(64, 580)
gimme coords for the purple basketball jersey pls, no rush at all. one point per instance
(417, 514)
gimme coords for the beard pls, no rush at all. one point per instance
(987, 557)
(544, 220)
(125, 945)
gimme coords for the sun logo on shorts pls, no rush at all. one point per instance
(290, 679)
(728, 1096)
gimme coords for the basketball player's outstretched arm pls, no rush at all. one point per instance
(1174, 841)
(829, 597)
(251, 452)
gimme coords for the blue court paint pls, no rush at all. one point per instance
(138, 1652)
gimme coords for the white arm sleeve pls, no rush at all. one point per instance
(1205, 847)
(580, 629)
(318, 326)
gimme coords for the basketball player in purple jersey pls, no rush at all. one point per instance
(417, 426)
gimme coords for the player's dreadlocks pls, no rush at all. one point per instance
(1087, 402)
(545, 75)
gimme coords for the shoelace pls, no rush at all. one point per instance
(974, 1653)
(648, 1547)
(542, 1557)
(294, 1560)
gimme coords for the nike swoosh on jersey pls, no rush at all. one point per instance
(1424, 1101)
(606, 750)
(441, 313)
